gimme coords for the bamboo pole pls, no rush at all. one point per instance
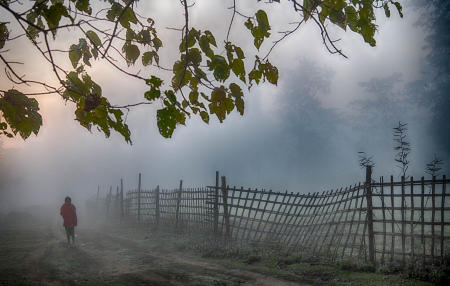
(412, 217)
(157, 206)
(139, 198)
(422, 216)
(177, 215)
(433, 215)
(393, 220)
(356, 189)
(383, 207)
(403, 223)
(442, 216)
(370, 215)
(216, 204)
(121, 198)
(225, 207)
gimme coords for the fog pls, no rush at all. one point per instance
(302, 135)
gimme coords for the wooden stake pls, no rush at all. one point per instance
(177, 215)
(139, 198)
(225, 207)
(442, 216)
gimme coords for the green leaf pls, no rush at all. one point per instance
(86, 57)
(93, 37)
(399, 8)
(131, 53)
(21, 113)
(271, 73)
(210, 38)
(258, 41)
(171, 96)
(239, 52)
(352, 18)
(221, 68)
(387, 11)
(83, 5)
(154, 81)
(249, 24)
(181, 75)
(338, 18)
(114, 12)
(230, 49)
(263, 23)
(147, 58)
(127, 17)
(204, 44)
(193, 97)
(205, 116)
(4, 34)
(74, 55)
(195, 57)
(239, 69)
(255, 75)
(157, 43)
(308, 7)
(238, 95)
(144, 37)
(53, 15)
(368, 33)
(191, 40)
(152, 94)
(167, 119)
(219, 103)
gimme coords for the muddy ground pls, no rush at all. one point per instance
(37, 254)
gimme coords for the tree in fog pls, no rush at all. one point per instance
(403, 147)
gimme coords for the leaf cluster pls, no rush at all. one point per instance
(20, 113)
(208, 78)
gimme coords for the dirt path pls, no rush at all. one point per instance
(142, 258)
(116, 259)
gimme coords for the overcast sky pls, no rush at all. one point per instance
(302, 135)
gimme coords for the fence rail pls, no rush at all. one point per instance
(376, 221)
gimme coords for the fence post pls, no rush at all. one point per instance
(121, 198)
(157, 214)
(216, 204)
(139, 198)
(108, 200)
(225, 206)
(117, 203)
(370, 214)
(178, 204)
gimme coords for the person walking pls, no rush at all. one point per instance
(69, 214)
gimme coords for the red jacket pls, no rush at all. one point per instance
(69, 214)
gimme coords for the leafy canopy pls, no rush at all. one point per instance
(207, 79)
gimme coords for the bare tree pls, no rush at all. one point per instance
(434, 166)
(403, 147)
(365, 160)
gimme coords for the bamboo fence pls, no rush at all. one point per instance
(379, 222)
